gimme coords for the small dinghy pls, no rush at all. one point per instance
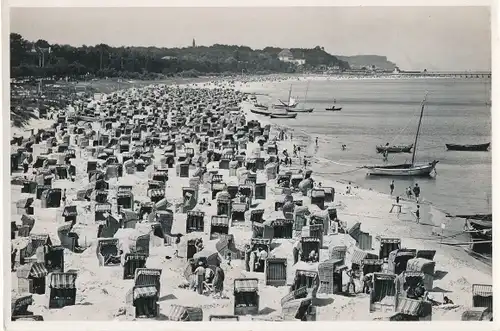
(475, 148)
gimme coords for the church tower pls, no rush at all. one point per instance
(194, 43)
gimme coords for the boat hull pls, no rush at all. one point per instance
(261, 107)
(403, 170)
(291, 115)
(394, 149)
(291, 110)
(479, 240)
(334, 109)
(260, 112)
(470, 148)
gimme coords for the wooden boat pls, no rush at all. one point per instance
(475, 148)
(300, 110)
(334, 109)
(283, 115)
(260, 112)
(406, 170)
(259, 106)
(480, 232)
(402, 170)
(394, 149)
(481, 217)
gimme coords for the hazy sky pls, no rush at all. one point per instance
(436, 38)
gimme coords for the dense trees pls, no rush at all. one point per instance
(41, 59)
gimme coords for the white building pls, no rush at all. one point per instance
(287, 56)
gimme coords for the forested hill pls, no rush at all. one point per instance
(40, 58)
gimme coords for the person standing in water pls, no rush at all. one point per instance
(316, 141)
(392, 187)
(417, 214)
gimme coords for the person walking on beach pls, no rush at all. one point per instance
(218, 281)
(416, 191)
(417, 214)
(392, 187)
(200, 273)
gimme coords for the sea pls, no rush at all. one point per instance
(379, 111)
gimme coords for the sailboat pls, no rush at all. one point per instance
(406, 169)
(303, 109)
(292, 103)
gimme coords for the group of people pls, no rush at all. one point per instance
(297, 253)
(208, 279)
(410, 191)
(255, 259)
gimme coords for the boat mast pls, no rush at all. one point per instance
(418, 130)
(305, 97)
(289, 95)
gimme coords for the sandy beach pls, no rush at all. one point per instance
(101, 290)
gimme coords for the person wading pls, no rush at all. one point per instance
(392, 187)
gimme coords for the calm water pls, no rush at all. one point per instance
(386, 110)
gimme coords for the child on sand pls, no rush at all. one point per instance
(408, 192)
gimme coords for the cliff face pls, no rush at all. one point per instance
(368, 61)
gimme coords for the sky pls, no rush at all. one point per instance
(415, 38)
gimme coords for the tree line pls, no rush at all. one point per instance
(42, 59)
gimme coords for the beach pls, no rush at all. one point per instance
(101, 290)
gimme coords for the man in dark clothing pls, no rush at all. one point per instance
(416, 191)
(392, 187)
(218, 281)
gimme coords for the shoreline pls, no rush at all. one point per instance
(309, 137)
